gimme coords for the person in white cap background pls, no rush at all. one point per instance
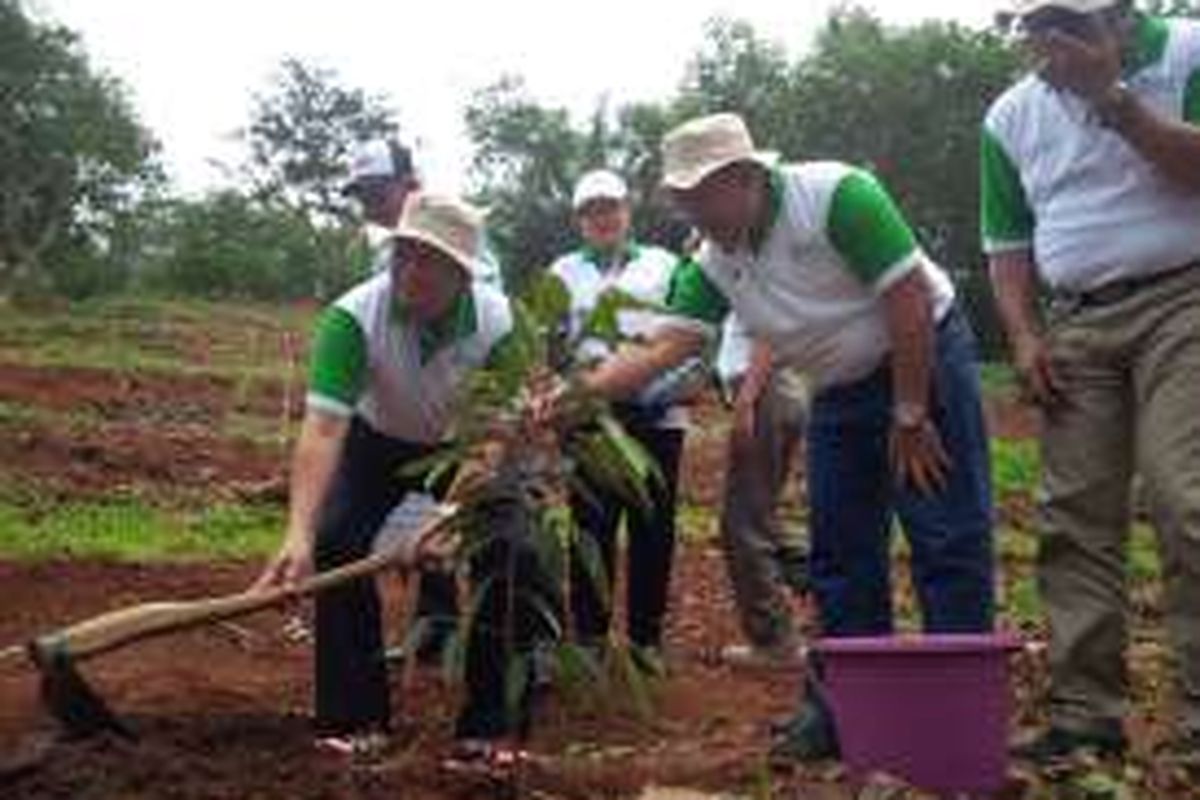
(389, 359)
(1091, 187)
(819, 263)
(610, 259)
(381, 178)
(382, 174)
(764, 557)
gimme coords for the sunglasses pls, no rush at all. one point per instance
(370, 192)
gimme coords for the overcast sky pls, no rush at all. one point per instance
(193, 66)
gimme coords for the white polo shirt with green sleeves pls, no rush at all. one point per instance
(1056, 181)
(812, 287)
(641, 271)
(400, 377)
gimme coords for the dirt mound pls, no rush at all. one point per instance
(130, 457)
(221, 712)
(139, 396)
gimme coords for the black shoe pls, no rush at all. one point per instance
(809, 736)
(1059, 744)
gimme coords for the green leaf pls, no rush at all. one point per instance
(518, 675)
(589, 557)
(604, 321)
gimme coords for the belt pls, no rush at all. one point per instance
(1116, 291)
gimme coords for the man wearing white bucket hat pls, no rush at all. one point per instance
(818, 262)
(1091, 185)
(389, 359)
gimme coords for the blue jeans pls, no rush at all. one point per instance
(854, 497)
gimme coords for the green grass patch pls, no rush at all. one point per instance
(191, 337)
(1023, 602)
(1143, 564)
(998, 378)
(1016, 545)
(131, 530)
(17, 415)
(1016, 466)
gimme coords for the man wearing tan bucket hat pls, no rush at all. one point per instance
(820, 266)
(1091, 186)
(389, 359)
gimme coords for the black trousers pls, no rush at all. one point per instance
(351, 677)
(351, 684)
(650, 549)
(516, 607)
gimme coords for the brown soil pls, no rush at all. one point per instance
(138, 396)
(221, 713)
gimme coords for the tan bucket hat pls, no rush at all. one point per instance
(1022, 8)
(700, 147)
(451, 225)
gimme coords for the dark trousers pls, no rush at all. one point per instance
(854, 497)
(351, 677)
(511, 609)
(516, 607)
(651, 543)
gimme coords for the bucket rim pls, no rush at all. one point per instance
(921, 644)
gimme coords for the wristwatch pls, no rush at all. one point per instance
(909, 415)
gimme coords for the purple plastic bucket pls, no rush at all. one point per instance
(932, 710)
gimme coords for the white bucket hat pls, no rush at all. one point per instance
(447, 223)
(599, 184)
(1022, 8)
(698, 148)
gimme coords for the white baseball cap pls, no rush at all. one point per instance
(698, 148)
(447, 223)
(378, 159)
(1022, 8)
(599, 184)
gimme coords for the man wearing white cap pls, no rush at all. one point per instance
(611, 261)
(382, 176)
(1091, 186)
(818, 262)
(389, 359)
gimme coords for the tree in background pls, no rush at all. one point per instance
(526, 159)
(906, 102)
(231, 245)
(300, 135)
(74, 163)
(287, 233)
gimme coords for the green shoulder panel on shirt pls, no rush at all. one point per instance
(338, 366)
(867, 229)
(1005, 215)
(1191, 99)
(691, 294)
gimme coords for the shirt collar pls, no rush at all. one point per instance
(603, 261)
(458, 323)
(762, 230)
